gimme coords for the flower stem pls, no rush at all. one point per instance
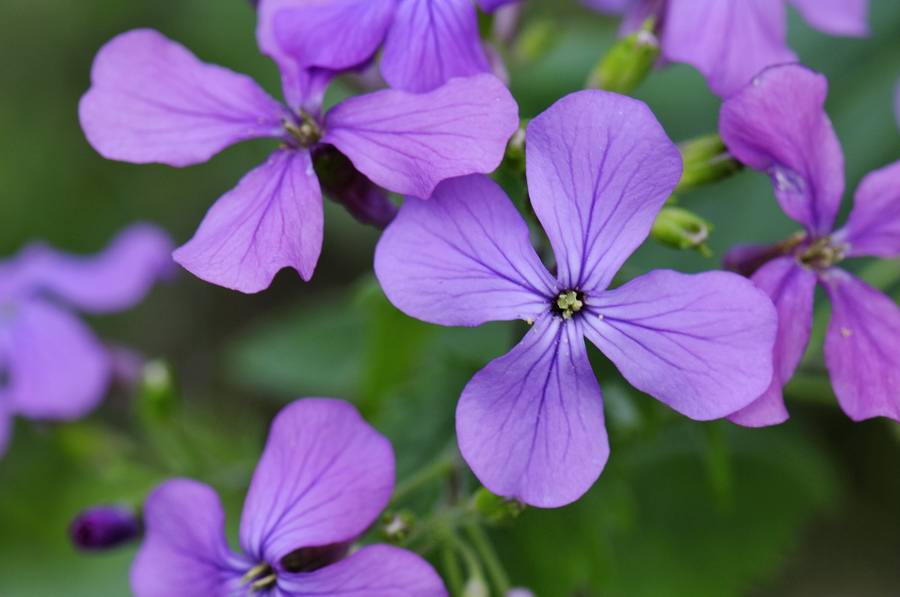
(439, 467)
(485, 549)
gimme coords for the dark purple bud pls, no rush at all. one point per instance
(746, 259)
(104, 527)
(344, 184)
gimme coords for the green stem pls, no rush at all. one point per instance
(452, 571)
(439, 467)
(492, 563)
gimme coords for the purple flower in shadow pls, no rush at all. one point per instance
(104, 527)
(151, 100)
(425, 42)
(778, 125)
(530, 424)
(52, 367)
(730, 41)
(323, 478)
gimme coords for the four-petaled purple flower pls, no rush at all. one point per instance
(324, 477)
(426, 42)
(599, 168)
(151, 100)
(52, 367)
(778, 125)
(730, 41)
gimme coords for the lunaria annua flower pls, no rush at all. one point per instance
(599, 169)
(151, 100)
(778, 125)
(323, 478)
(104, 527)
(52, 367)
(426, 42)
(729, 41)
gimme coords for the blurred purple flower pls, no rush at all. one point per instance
(104, 527)
(599, 169)
(729, 41)
(778, 125)
(324, 477)
(51, 365)
(151, 100)
(426, 42)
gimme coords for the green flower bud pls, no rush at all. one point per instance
(682, 229)
(397, 526)
(628, 62)
(494, 508)
(706, 160)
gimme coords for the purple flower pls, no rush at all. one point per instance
(51, 365)
(103, 527)
(323, 478)
(151, 100)
(599, 169)
(425, 42)
(778, 125)
(729, 41)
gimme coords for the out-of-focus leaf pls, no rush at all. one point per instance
(655, 525)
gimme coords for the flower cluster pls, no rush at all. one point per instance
(599, 169)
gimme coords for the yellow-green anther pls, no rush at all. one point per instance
(569, 304)
(266, 582)
(254, 572)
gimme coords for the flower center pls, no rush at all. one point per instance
(304, 132)
(822, 253)
(568, 303)
(260, 578)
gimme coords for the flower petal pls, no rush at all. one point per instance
(271, 220)
(185, 553)
(837, 17)
(492, 5)
(57, 368)
(728, 41)
(873, 228)
(862, 348)
(463, 258)
(530, 424)
(792, 289)
(117, 278)
(324, 476)
(600, 168)
(6, 424)
(778, 125)
(408, 143)
(431, 42)
(333, 35)
(374, 571)
(702, 343)
(152, 100)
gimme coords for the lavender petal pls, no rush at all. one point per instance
(702, 343)
(324, 476)
(599, 169)
(463, 258)
(792, 289)
(778, 125)
(837, 17)
(271, 220)
(152, 100)
(408, 143)
(873, 228)
(431, 42)
(862, 347)
(530, 424)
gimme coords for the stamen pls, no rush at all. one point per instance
(823, 253)
(306, 132)
(568, 303)
(260, 578)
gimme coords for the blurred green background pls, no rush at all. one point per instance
(808, 508)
